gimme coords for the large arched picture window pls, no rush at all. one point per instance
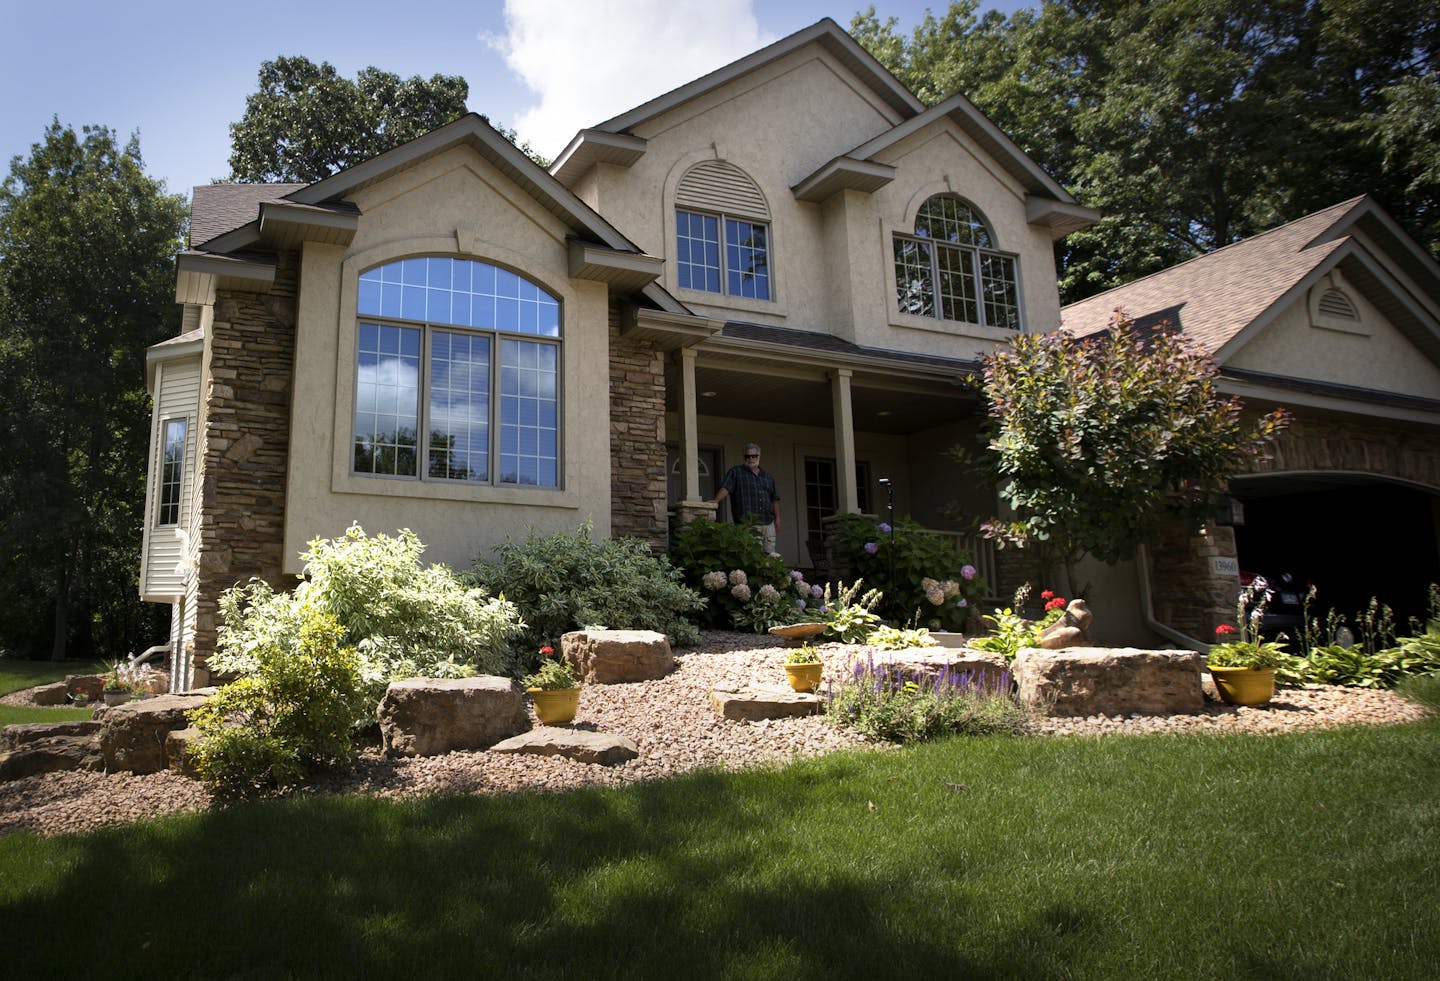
(949, 268)
(448, 347)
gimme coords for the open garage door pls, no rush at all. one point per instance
(1353, 537)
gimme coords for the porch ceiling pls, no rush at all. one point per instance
(890, 406)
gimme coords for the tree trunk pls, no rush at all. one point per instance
(62, 617)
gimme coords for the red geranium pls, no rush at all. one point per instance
(1058, 603)
(1224, 628)
(546, 651)
(1047, 594)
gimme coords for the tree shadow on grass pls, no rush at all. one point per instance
(712, 874)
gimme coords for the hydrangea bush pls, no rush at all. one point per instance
(916, 572)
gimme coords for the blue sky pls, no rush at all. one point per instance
(179, 73)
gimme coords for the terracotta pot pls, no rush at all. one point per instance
(1244, 686)
(804, 677)
(555, 705)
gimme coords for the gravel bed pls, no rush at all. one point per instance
(675, 728)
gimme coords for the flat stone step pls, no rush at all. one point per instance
(581, 745)
(17, 735)
(752, 703)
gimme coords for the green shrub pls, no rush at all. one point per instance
(921, 576)
(746, 587)
(293, 713)
(850, 616)
(570, 581)
(885, 702)
(403, 620)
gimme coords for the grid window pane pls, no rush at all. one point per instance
(957, 284)
(459, 407)
(747, 261)
(914, 278)
(697, 242)
(172, 472)
(1002, 304)
(458, 293)
(948, 219)
(387, 394)
(529, 445)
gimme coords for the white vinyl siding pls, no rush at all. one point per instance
(177, 397)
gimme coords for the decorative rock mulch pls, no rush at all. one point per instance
(673, 725)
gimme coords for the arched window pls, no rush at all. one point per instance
(949, 268)
(444, 346)
(722, 232)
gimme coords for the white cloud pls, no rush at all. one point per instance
(593, 59)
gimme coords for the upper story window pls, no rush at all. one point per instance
(446, 347)
(722, 232)
(949, 269)
(172, 472)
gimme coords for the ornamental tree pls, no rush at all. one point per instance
(1098, 441)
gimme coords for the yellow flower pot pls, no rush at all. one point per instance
(804, 677)
(1244, 686)
(554, 706)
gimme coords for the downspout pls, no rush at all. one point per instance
(1147, 608)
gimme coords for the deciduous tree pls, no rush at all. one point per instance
(86, 284)
(1097, 442)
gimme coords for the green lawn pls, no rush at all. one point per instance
(15, 675)
(1309, 855)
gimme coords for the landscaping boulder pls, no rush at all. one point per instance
(180, 751)
(1084, 681)
(576, 744)
(52, 694)
(89, 685)
(609, 657)
(33, 748)
(132, 734)
(430, 716)
(740, 703)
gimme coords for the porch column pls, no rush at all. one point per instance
(689, 427)
(844, 423)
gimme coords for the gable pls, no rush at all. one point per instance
(1314, 338)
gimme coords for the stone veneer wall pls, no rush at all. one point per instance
(1187, 592)
(245, 443)
(1383, 449)
(637, 438)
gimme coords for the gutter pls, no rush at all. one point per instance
(1147, 608)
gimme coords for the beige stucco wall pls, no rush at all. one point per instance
(832, 263)
(454, 204)
(1380, 358)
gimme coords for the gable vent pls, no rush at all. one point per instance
(715, 185)
(1334, 303)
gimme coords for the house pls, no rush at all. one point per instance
(791, 249)
(1335, 316)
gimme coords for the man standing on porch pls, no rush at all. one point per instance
(755, 496)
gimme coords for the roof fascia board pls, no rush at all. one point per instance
(748, 347)
(969, 118)
(260, 274)
(843, 173)
(592, 146)
(306, 216)
(1257, 391)
(471, 129)
(826, 31)
(244, 237)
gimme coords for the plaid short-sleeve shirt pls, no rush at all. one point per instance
(753, 493)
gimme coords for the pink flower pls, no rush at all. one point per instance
(967, 572)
